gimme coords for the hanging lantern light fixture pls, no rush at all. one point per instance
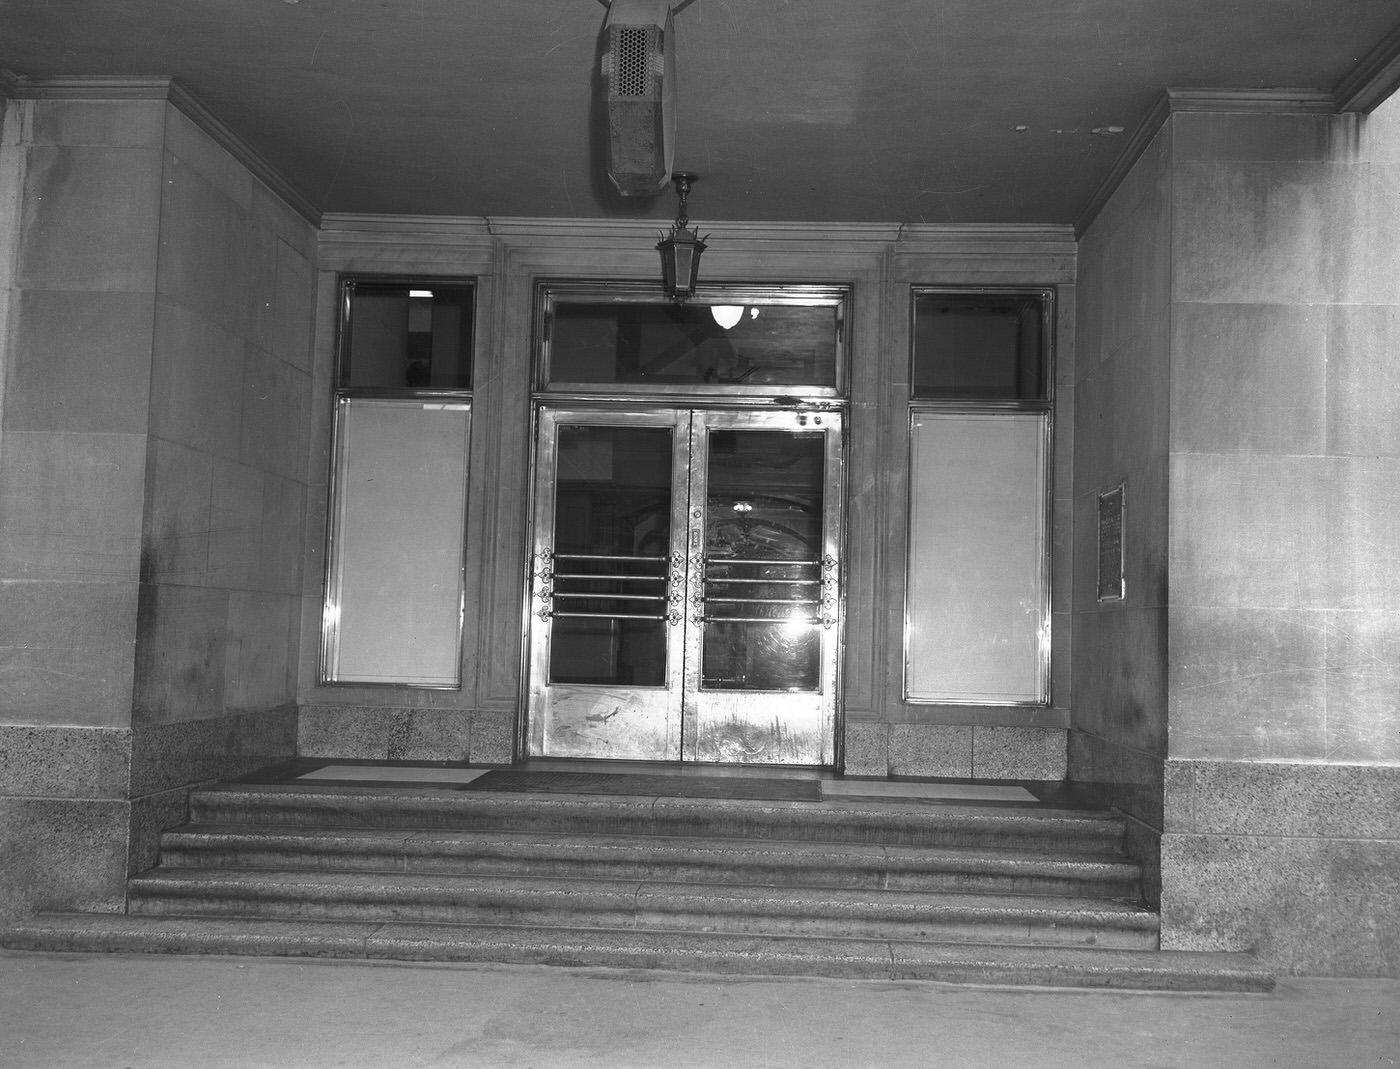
(680, 249)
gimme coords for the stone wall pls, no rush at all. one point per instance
(1240, 300)
(1284, 667)
(158, 300)
(1118, 736)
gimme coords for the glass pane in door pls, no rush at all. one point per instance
(762, 582)
(612, 530)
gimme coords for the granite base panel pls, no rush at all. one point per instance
(61, 761)
(150, 816)
(961, 751)
(82, 808)
(1315, 907)
(1299, 863)
(396, 733)
(1126, 778)
(63, 854)
(1143, 843)
(166, 756)
(867, 750)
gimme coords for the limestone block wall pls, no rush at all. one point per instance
(1284, 663)
(157, 303)
(226, 477)
(1240, 298)
(1118, 736)
(83, 189)
(1295, 861)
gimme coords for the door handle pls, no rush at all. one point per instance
(830, 594)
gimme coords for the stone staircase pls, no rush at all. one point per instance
(873, 889)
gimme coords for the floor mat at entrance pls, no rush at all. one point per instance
(768, 790)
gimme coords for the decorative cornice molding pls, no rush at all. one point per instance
(1374, 78)
(120, 87)
(1282, 101)
(983, 234)
(344, 238)
(94, 87)
(435, 228)
(427, 229)
(1046, 253)
(1136, 145)
(630, 230)
(573, 246)
(198, 113)
(1174, 101)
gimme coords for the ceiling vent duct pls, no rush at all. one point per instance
(639, 69)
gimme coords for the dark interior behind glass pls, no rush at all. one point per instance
(414, 336)
(983, 346)
(662, 344)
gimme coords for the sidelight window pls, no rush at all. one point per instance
(977, 616)
(394, 583)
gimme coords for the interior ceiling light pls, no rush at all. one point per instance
(726, 315)
(680, 249)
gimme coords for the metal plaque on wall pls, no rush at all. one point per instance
(1112, 585)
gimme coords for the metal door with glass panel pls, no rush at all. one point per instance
(685, 585)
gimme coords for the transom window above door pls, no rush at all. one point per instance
(727, 340)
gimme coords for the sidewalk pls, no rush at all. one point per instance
(156, 1012)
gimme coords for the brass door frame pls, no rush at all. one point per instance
(682, 720)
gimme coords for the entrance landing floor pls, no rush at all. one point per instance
(628, 779)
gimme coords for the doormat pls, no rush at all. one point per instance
(391, 775)
(623, 784)
(941, 792)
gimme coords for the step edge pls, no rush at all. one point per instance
(267, 937)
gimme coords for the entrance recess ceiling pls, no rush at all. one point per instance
(886, 111)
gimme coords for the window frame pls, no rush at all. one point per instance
(345, 291)
(975, 406)
(342, 397)
(1047, 335)
(549, 290)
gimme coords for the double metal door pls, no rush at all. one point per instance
(685, 585)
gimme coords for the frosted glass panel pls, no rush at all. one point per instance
(978, 614)
(393, 610)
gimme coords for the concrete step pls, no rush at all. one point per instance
(879, 823)
(580, 903)
(838, 887)
(693, 952)
(671, 859)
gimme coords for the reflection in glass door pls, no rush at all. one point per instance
(685, 599)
